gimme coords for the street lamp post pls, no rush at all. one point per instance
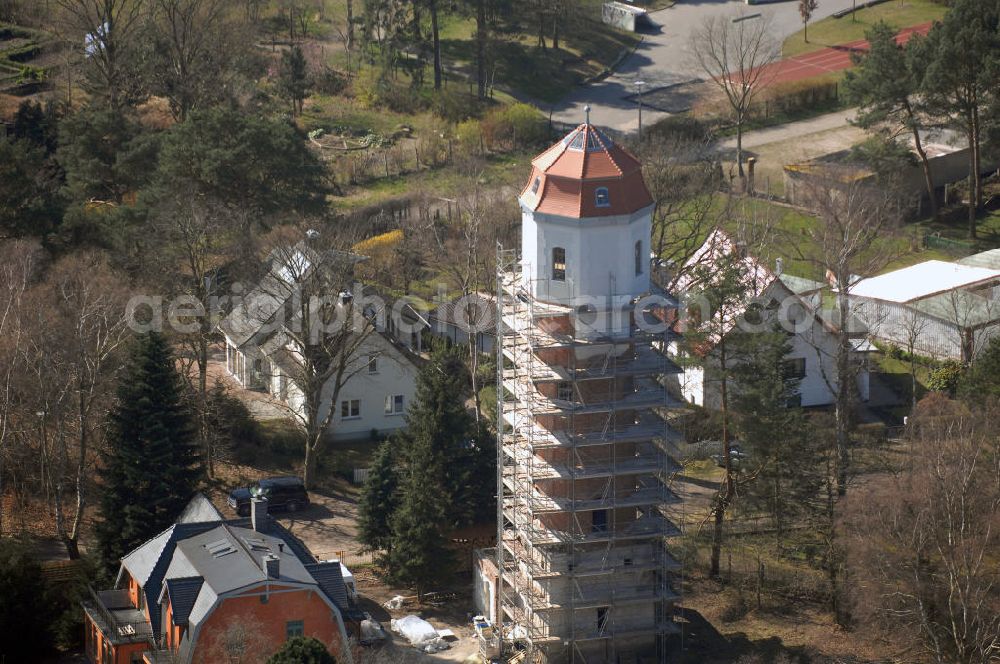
(639, 85)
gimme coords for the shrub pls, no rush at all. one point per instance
(24, 598)
(794, 96)
(455, 105)
(302, 650)
(510, 127)
(945, 378)
(329, 81)
(682, 127)
(469, 135)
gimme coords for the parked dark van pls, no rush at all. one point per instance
(283, 493)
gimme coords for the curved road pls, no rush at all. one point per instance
(663, 58)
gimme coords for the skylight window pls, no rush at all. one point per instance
(257, 544)
(220, 548)
(534, 185)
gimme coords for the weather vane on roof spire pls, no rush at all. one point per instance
(586, 110)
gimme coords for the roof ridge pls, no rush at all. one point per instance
(243, 547)
(607, 146)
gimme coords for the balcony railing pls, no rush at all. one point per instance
(118, 620)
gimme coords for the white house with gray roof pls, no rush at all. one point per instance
(263, 354)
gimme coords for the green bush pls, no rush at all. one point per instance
(514, 126)
(330, 81)
(469, 135)
(302, 650)
(945, 378)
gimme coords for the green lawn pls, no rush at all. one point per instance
(987, 230)
(896, 373)
(788, 228)
(833, 31)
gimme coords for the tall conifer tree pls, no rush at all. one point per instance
(443, 471)
(151, 466)
(380, 497)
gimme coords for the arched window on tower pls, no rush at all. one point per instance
(601, 198)
(558, 264)
(638, 257)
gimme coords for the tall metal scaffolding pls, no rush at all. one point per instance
(584, 474)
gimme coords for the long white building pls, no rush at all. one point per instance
(945, 310)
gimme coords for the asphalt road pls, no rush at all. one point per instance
(664, 59)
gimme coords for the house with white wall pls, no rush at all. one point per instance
(769, 303)
(944, 310)
(262, 354)
(454, 320)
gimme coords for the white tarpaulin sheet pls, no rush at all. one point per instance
(414, 629)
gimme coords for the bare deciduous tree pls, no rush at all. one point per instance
(913, 324)
(734, 52)
(924, 542)
(468, 249)
(321, 334)
(682, 176)
(197, 47)
(852, 239)
(108, 31)
(71, 360)
(197, 236)
(19, 261)
(719, 286)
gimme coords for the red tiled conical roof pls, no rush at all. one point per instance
(566, 179)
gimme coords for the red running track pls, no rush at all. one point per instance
(835, 58)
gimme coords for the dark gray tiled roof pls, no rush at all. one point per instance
(330, 581)
(183, 591)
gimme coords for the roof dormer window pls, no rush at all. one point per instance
(601, 198)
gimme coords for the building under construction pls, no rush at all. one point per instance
(582, 571)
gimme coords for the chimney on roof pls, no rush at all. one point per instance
(272, 565)
(258, 513)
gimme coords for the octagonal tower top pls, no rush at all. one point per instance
(585, 175)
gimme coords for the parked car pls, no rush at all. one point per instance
(283, 493)
(737, 456)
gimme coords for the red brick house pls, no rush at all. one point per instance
(206, 587)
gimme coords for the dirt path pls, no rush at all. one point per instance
(792, 130)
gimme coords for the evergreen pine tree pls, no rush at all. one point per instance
(420, 556)
(151, 468)
(442, 433)
(781, 476)
(437, 473)
(981, 383)
(293, 78)
(379, 497)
